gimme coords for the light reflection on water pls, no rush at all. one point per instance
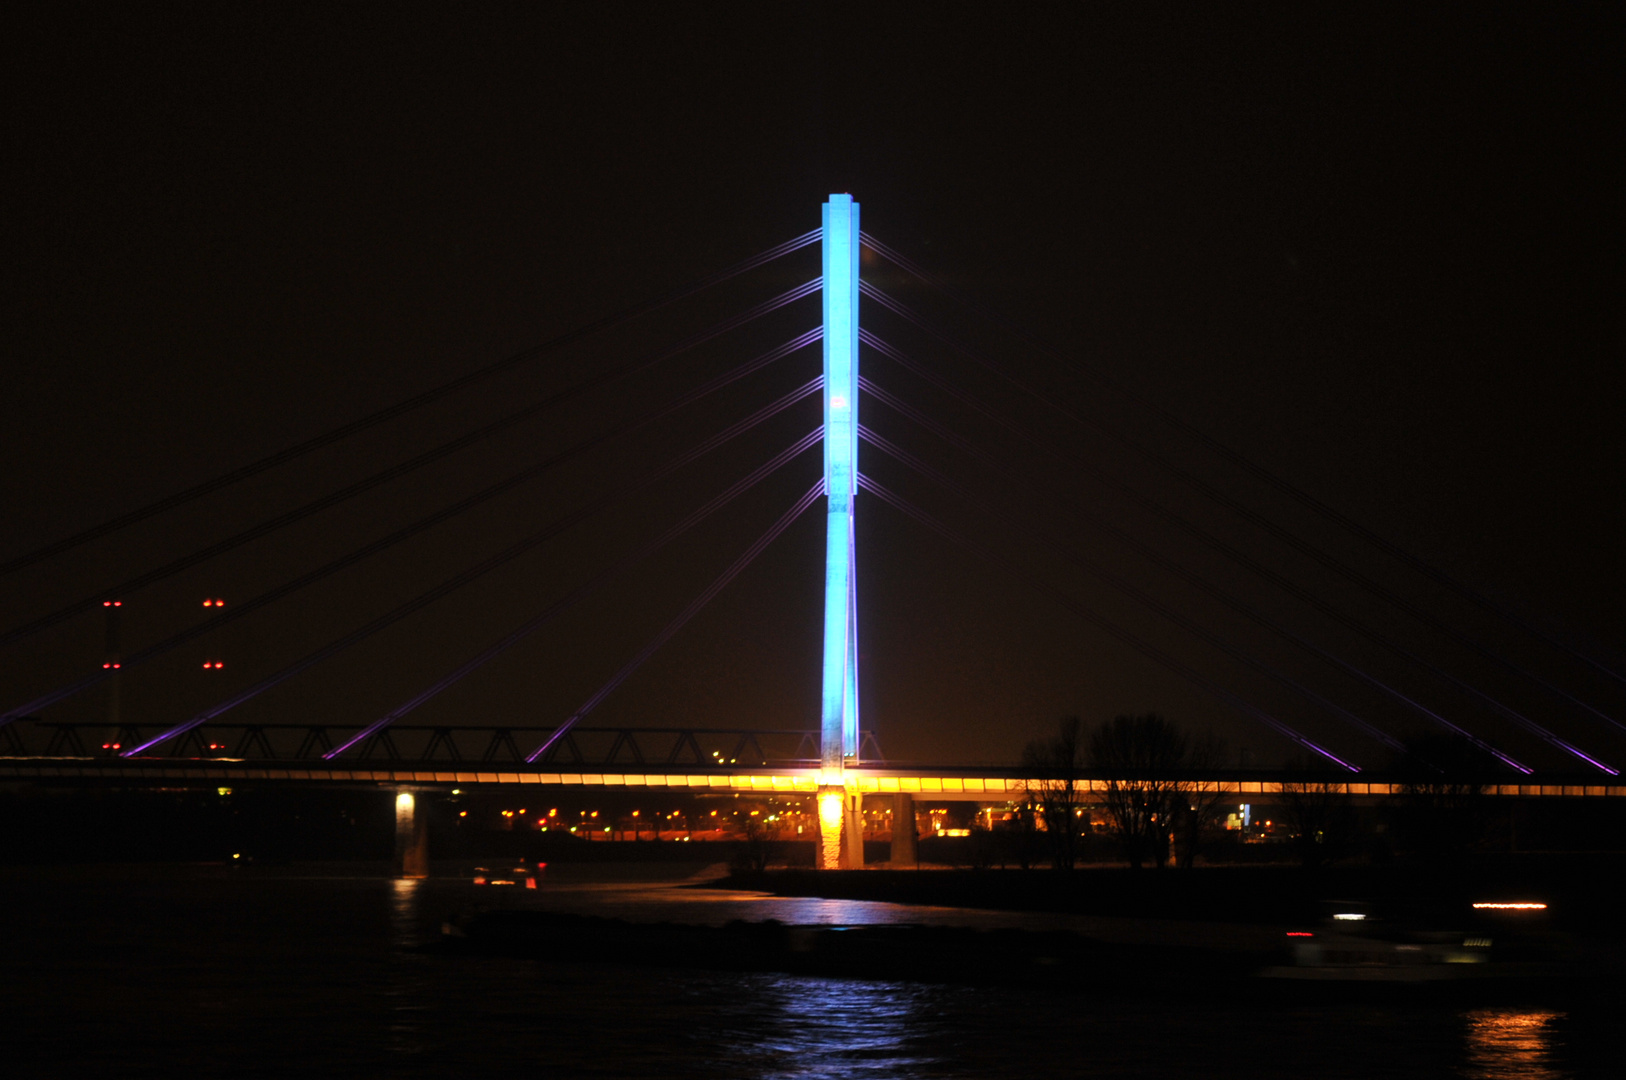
(1505, 1044)
(177, 970)
(714, 907)
(836, 1028)
(408, 988)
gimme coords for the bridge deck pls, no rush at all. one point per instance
(933, 782)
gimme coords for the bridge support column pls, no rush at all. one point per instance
(832, 813)
(904, 851)
(841, 829)
(855, 831)
(839, 823)
(411, 836)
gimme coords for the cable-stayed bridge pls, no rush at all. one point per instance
(1362, 660)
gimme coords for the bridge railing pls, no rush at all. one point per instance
(703, 746)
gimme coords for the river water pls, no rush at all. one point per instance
(199, 971)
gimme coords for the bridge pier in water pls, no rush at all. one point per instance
(411, 836)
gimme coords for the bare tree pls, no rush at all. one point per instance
(1055, 784)
(760, 848)
(1442, 811)
(1139, 757)
(1319, 813)
(1198, 804)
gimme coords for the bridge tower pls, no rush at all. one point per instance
(841, 839)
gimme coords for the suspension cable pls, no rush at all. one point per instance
(1260, 521)
(717, 586)
(365, 484)
(400, 408)
(1125, 587)
(238, 611)
(1237, 556)
(625, 563)
(1151, 555)
(386, 620)
(1091, 616)
(1259, 472)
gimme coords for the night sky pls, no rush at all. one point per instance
(1375, 254)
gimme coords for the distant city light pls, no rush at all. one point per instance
(1510, 907)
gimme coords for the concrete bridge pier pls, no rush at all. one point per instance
(904, 851)
(411, 836)
(855, 831)
(841, 829)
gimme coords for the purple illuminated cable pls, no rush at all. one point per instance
(683, 617)
(350, 491)
(1169, 565)
(886, 446)
(1286, 536)
(1281, 484)
(247, 607)
(1145, 648)
(400, 612)
(402, 407)
(1173, 567)
(1125, 587)
(1232, 553)
(621, 566)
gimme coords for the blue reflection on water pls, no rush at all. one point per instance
(837, 1028)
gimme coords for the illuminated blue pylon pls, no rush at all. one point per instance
(839, 717)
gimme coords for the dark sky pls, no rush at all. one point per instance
(1373, 252)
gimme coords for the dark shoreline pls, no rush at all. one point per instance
(1056, 961)
(1259, 895)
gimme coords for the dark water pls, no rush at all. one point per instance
(199, 971)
